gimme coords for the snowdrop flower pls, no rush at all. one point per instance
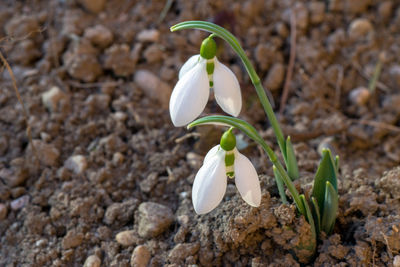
(196, 77)
(210, 182)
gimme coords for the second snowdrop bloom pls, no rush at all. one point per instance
(210, 182)
(196, 77)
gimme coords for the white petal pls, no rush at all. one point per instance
(211, 153)
(188, 65)
(246, 180)
(209, 184)
(227, 89)
(190, 95)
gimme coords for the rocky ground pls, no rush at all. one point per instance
(112, 185)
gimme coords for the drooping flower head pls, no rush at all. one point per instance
(196, 77)
(221, 161)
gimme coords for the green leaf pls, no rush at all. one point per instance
(337, 163)
(279, 183)
(331, 204)
(316, 214)
(290, 160)
(313, 243)
(326, 173)
(242, 125)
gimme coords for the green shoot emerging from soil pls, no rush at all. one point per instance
(190, 95)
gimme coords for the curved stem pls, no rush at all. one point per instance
(234, 43)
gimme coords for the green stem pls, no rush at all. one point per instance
(234, 43)
(285, 177)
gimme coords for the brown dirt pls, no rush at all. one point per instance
(113, 187)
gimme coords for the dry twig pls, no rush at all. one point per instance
(25, 113)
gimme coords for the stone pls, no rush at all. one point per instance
(48, 153)
(317, 12)
(99, 36)
(126, 238)
(140, 256)
(357, 7)
(25, 52)
(72, 239)
(3, 211)
(153, 54)
(153, 87)
(151, 35)
(275, 77)
(76, 163)
(360, 96)
(120, 213)
(15, 176)
(93, 6)
(181, 251)
(21, 26)
(120, 60)
(81, 61)
(148, 184)
(154, 219)
(3, 145)
(385, 10)
(19, 203)
(92, 261)
(360, 28)
(52, 98)
(396, 261)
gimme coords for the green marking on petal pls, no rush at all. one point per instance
(229, 159)
(210, 67)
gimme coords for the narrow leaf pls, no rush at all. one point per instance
(279, 183)
(316, 214)
(331, 204)
(326, 172)
(337, 163)
(290, 160)
(310, 220)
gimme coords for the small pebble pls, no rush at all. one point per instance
(92, 261)
(120, 60)
(360, 96)
(140, 256)
(99, 36)
(153, 87)
(19, 203)
(275, 77)
(182, 251)
(385, 10)
(357, 7)
(77, 164)
(396, 261)
(3, 211)
(126, 238)
(154, 219)
(94, 6)
(47, 153)
(360, 28)
(53, 98)
(149, 36)
(317, 12)
(72, 239)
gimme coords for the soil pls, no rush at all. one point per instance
(112, 186)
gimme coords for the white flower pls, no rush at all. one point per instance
(210, 182)
(191, 93)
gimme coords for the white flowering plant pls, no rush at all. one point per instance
(204, 72)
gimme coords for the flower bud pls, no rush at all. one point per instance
(228, 140)
(208, 48)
